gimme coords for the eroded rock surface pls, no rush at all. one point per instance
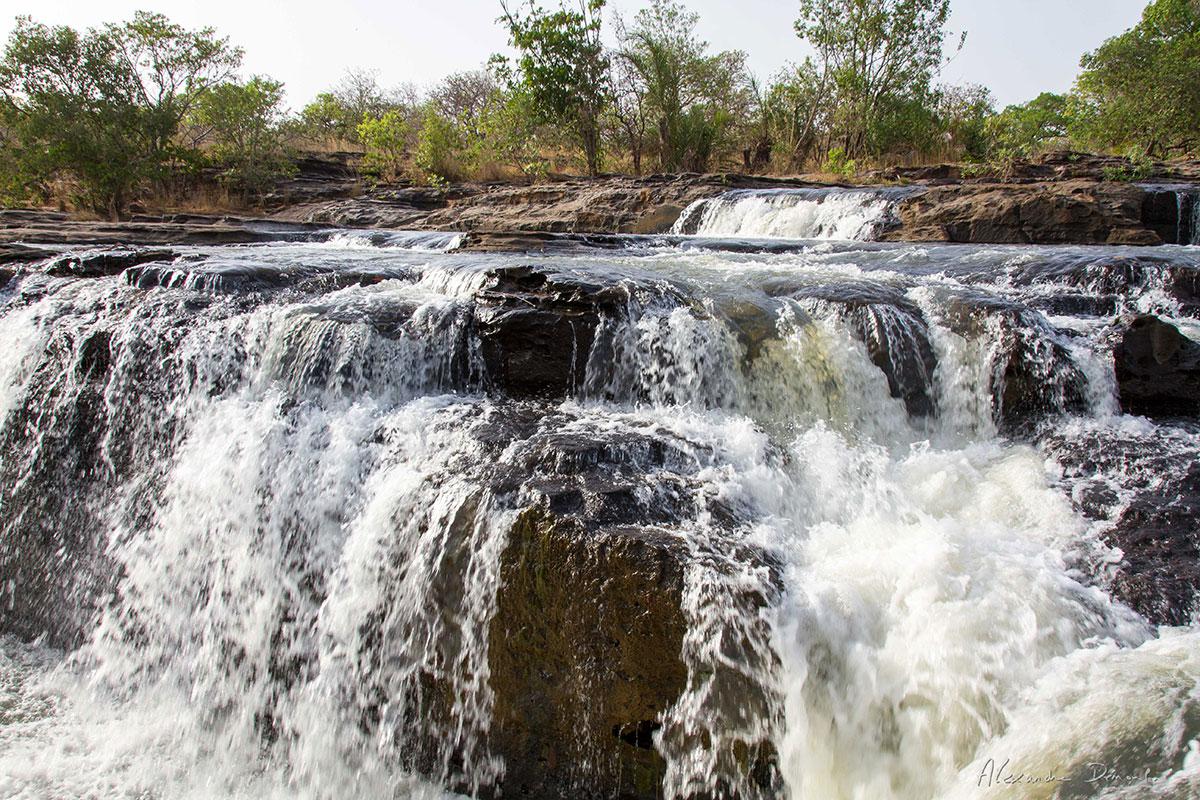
(1158, 369)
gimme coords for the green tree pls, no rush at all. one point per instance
(100, 110)
(170, 67)
(563, 69)
(1141, 90)
(507, 135)
(964, 114)
(242, 124)
(1026, 129)
(327, 118)
(438, 146)
(879, 57)
(693, 96)
(795, 106)
(386, 139)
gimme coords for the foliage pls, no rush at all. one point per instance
(464, 97)
(386, 139)
(101, 109)
(964, 113)
(1023, 130)
(241, 123)
(334, 115)
(438, 144)
(878, 58)
(1142, 89)
(508, 135)
(795, 111)
(562, 69)
(1138, 167)
(327, 118)
(692, 97)
(838, 163)
(170, 69)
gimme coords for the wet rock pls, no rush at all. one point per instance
(1108, 278)
(585, 658)
(1158, 370)
(1032, 374)
(55, 481)
(100, 263)
(536, 332)
(1146, 487)
(1159, 536)
(14, 254)
(227, 278)
(6, 275)
(536, 242)
(895, 334)
(36, 227)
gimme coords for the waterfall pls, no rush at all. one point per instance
(364, 517)
(1194, 237)
(824, 213)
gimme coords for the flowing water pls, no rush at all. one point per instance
(258, 503)
(793, 213)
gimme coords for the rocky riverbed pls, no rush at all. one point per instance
(751, 503)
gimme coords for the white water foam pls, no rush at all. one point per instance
(856, 214)
(922, 617)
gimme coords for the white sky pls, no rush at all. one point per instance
(1018, 48)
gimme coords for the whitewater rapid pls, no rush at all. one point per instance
(305, 482)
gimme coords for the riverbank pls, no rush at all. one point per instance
(1061, 199)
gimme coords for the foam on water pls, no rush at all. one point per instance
(884, 593)
(791, 213)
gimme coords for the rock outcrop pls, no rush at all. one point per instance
(616, 204)
(21, 228)
(1150, 515)
(1158, 370)
(1069, 212)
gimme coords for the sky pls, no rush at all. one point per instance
(1017, 48)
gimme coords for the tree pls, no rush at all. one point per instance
(386, 139)
(463, 98)
(241, 122)
(880, 58)
(795, 106)
(1023, 130)
(171, 68)
(629, 113)
(335, 115)
(101, 109)
(1142, 89)
(327, 118)
(964, 113)
(693, 96)
(507, 135)
(563, 69)
(438, 146)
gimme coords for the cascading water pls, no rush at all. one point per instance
(363, 518)
(855, 214)
(1185, 215)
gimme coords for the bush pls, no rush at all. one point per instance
(838, 164)
(438, 147)
(243, 130)
(386, 140)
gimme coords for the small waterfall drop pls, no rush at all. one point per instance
(819, 213)
(360, 517)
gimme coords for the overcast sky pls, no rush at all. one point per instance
(1018, 48)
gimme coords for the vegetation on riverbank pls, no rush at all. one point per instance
(105, 118)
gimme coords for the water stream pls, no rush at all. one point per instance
(258, 505)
